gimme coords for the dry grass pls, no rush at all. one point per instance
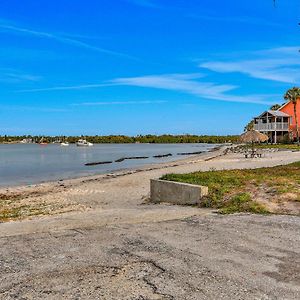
(17, 206)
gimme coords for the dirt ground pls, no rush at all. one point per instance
(117, 247)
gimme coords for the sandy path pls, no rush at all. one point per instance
(118, 198)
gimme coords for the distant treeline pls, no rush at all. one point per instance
(153, 139)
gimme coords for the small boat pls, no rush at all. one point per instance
(83, 143)
(64, 144)
(42, 143)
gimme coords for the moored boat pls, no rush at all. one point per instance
(83, 143)
(42, 142)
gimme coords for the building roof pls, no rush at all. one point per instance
(275, 113)
(278, 113)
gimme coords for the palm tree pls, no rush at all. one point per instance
(275, 107)
(293, 95)
(249, 126)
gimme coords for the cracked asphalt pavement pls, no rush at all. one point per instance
(202, 257)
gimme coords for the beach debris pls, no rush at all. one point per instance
(163, 155)
(98, 163)
(132, 157)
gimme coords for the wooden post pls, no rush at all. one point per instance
(275, 128)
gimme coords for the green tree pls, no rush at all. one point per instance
(275, 107)
(293, 95)
(249, 126)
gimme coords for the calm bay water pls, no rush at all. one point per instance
(24, 164)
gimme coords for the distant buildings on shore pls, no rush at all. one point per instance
(26, 141)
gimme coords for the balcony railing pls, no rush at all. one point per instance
(272, 126)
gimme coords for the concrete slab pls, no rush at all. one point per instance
(176, 192)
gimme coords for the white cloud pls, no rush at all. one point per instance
(184, 83)
(67, 88)
(118, 103)
(209, 16)
(15, 76)
(115, 82)
(5, 26)
(278, 64)
(145, 3)
(33, 108)
(187, 83)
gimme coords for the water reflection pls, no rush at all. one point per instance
(33, 163)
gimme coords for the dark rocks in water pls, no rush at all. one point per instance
(190, 153)
(120, 159)
(215, 149)
(163, 155)
(98, 163)
(133, 157)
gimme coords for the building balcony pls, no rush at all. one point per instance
(272, 126)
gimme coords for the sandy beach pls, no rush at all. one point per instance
(102, 238)
(124, 194)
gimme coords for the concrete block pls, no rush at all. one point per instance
(176, 192)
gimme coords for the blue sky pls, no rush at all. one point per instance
(143, 66)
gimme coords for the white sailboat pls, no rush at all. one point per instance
(64, 144)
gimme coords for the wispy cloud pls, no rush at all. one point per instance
(67, 88)
(192, 84)
(145, 3)
(33, 108)
(83, 36)
(16, 76)
(187, 83)
(278, 64)
(119, 103)
(234, 19)
(8, 27)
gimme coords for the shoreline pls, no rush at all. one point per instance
(115, 197)
(117, 172)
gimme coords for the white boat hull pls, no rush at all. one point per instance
(83, 143)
